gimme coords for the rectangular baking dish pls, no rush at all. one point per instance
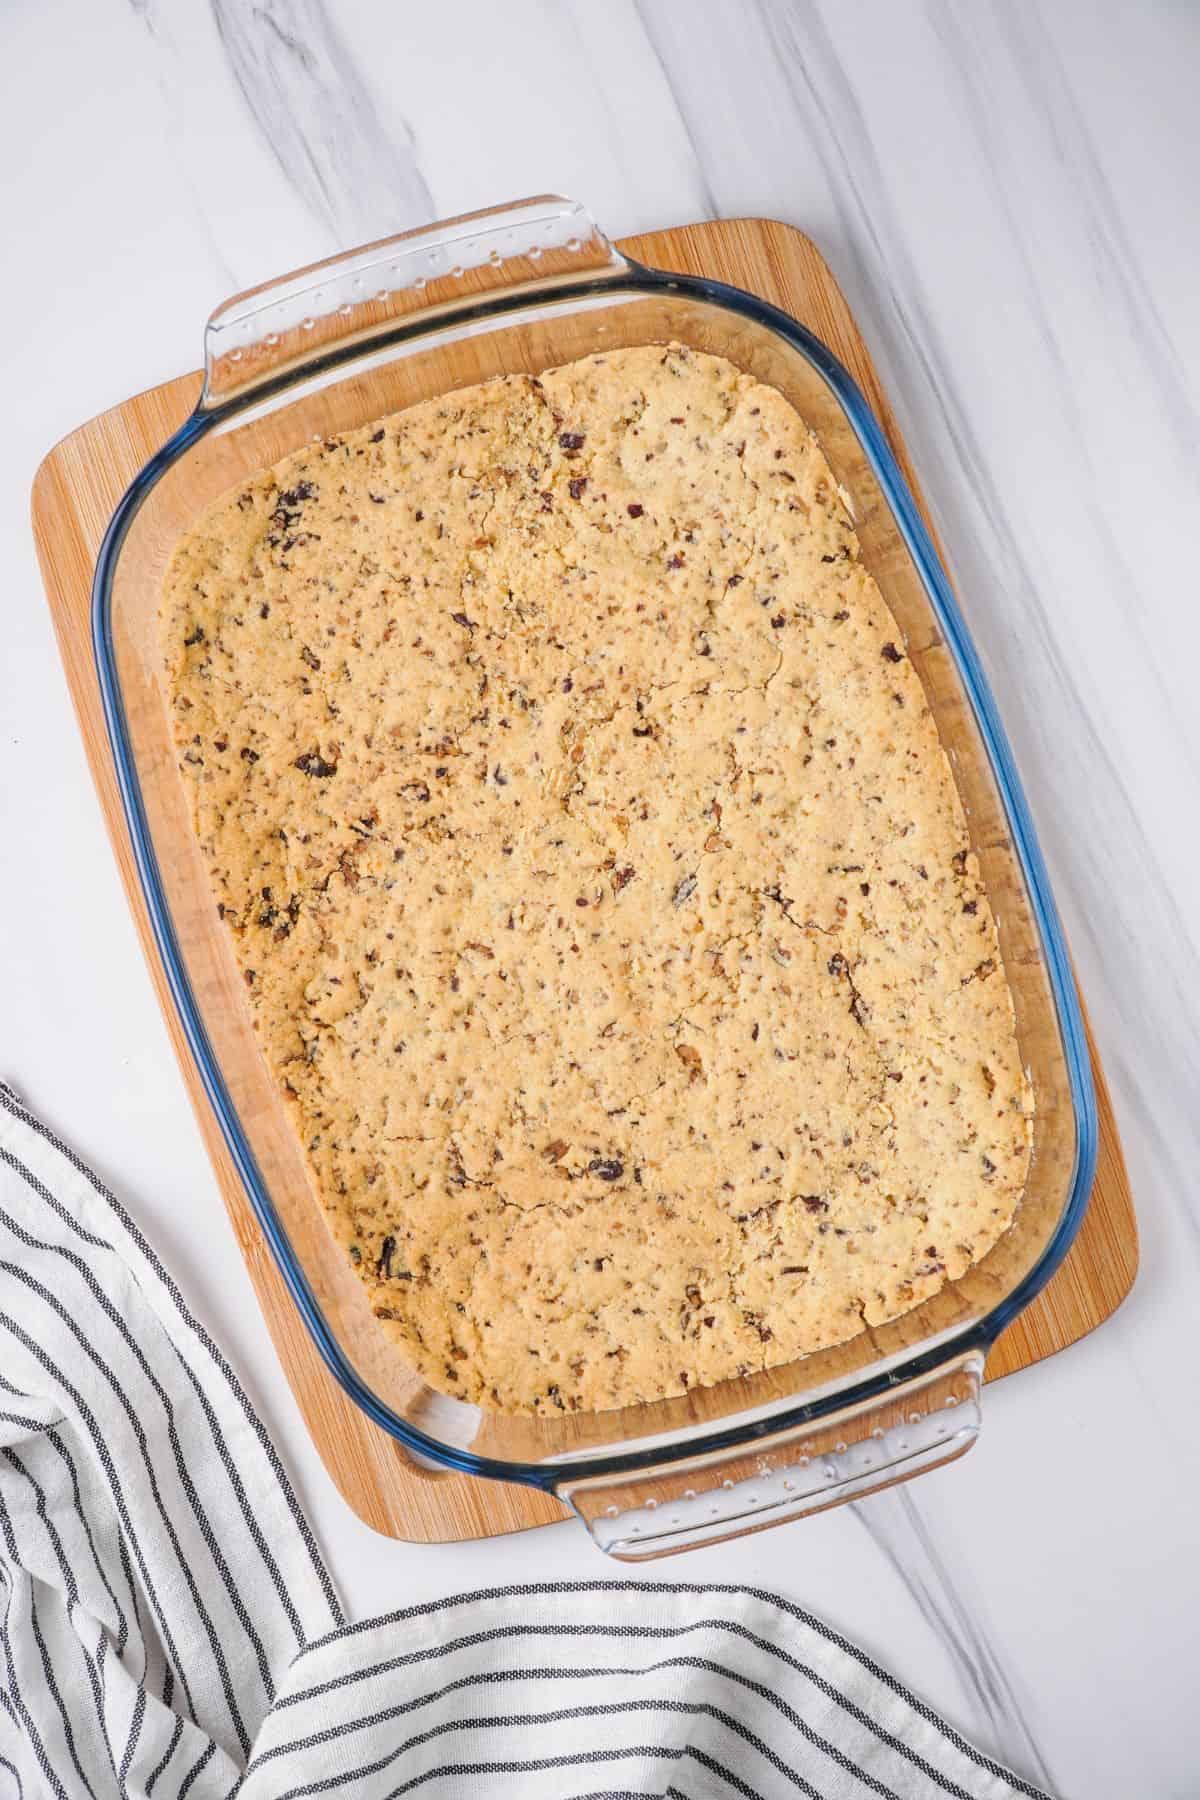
(523, 288)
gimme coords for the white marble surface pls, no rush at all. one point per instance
(1007, 192)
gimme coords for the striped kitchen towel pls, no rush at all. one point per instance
(168, 1627)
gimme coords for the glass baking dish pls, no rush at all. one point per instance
(332, 347)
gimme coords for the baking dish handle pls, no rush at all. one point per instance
(298, 320)
(921, 1423)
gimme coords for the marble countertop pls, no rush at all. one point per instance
(1006, 191)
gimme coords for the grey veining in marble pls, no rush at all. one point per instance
(1039, 65)
(898, 1530)
(315, 115)
(1006, 191)
(319, 119)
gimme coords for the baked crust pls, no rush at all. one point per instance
(599, 881)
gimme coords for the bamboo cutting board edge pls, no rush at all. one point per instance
(75, 491)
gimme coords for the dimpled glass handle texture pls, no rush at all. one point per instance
(529, 246)
(676, 1506)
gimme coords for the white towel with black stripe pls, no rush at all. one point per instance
(168, 1627)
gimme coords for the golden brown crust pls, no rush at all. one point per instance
(599, 882)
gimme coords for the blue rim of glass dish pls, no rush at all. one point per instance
(980, 1335)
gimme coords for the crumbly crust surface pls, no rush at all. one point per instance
(599, 882)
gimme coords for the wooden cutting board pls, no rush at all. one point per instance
(74, 494)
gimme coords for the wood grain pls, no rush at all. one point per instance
(74, 494)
